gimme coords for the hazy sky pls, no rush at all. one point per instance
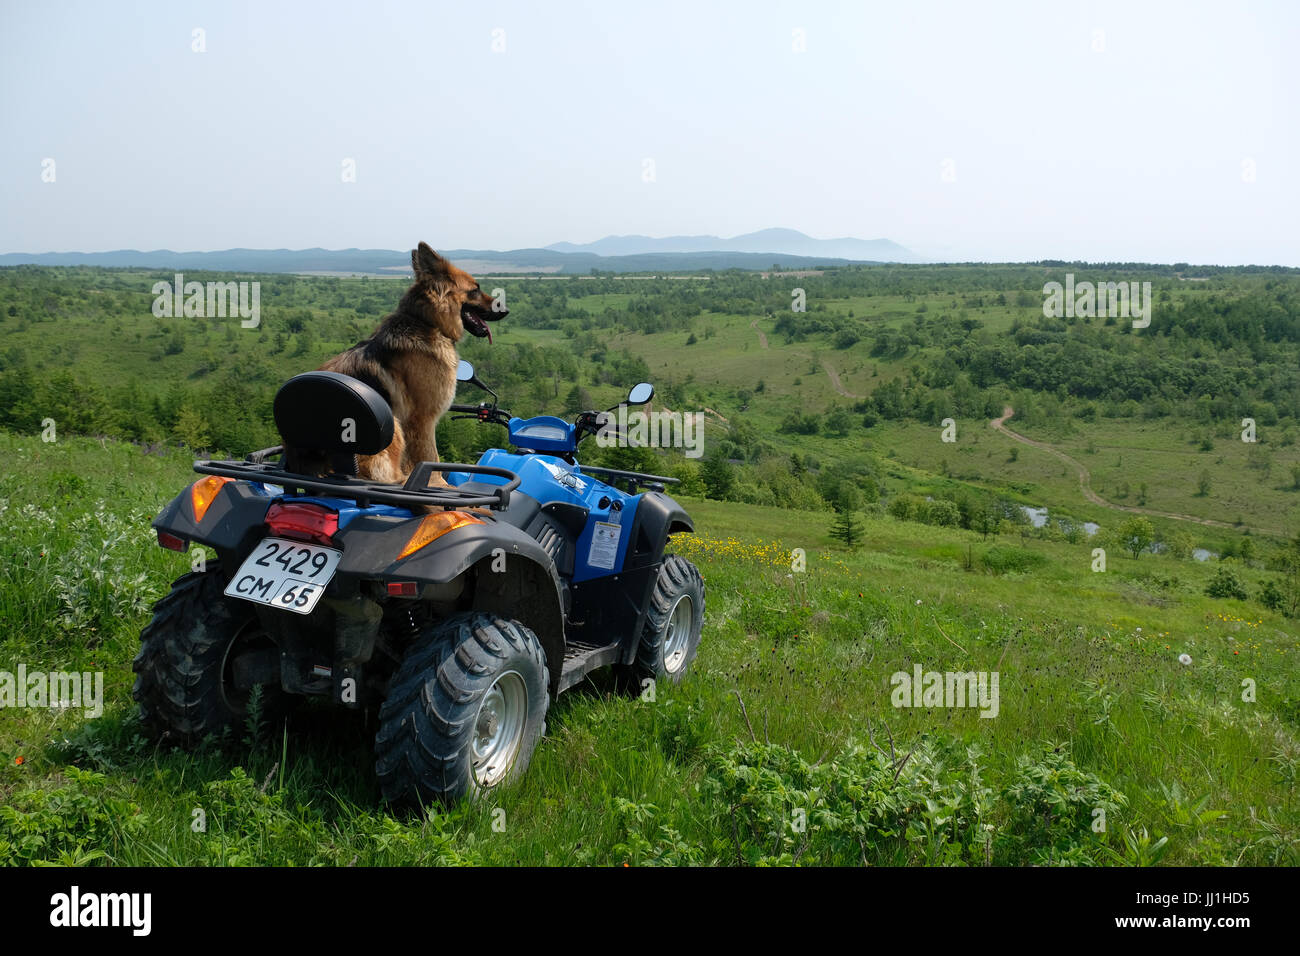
(1105, 131)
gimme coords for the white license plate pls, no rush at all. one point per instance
(286, 574)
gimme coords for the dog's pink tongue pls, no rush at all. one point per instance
(489, 332)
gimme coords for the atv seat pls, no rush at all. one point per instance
(334, 415)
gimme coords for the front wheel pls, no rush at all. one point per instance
(671, 635)
(464, 712)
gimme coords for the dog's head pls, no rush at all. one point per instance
(452, 296)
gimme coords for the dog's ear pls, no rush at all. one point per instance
(427, 264)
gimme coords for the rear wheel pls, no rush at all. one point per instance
(191, 670)
(674, 620)
(464, 712)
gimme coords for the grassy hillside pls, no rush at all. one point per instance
(775, 724)
(787, 717)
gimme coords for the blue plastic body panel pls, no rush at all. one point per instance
(550, 479)
(524, 434)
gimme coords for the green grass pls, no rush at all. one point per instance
(1093, 702)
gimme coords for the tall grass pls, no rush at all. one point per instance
(781, 746)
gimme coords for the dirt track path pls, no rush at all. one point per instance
(762, 336)
(834, 376)
(1085, 479)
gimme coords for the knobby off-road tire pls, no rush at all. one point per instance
(464, 711)
(183, 679)
(670, 637)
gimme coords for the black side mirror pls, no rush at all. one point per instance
(465, 373)
(640, 394)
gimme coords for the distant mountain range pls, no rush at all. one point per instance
(766, 241)
(785, 248)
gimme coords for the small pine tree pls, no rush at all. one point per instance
(845, 499)
(846, 527)
(191, 428)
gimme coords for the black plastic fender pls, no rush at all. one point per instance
(512, 576)
(657, 517)
(233, 524)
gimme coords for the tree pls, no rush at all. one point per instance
(306, 340)
(1135, 535)
(191, 429)
(943, 513)
(985, 520)
(838, 422)
(718, 477)
(1178, 544)
(578, 400)
(1203, 485)
(845, 499)
(175, 342)
(846, 528)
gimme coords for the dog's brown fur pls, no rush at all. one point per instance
(411, 360)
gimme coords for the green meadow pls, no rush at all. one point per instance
(1146, 707)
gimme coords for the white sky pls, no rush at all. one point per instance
(1058, 150)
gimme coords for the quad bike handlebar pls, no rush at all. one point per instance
(489, 414)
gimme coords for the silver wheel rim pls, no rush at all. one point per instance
(499, 729)
(677, 639)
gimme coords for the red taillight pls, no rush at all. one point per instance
(403, 588)
(305, 522)
(171, 542)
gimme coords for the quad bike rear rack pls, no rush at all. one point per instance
(414, 493)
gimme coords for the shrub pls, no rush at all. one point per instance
(1001, 559)
(861, 807)
(1225, 584)
(1052, 811)
(906, 507)
(943, 512)
(72, 825)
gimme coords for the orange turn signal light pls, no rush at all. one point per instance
(435, 526)
(203, 492)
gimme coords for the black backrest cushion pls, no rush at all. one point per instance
(332, 412)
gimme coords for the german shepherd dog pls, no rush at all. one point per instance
(411, 360)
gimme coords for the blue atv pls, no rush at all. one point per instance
(459, 609)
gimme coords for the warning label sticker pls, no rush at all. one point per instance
(604, 545)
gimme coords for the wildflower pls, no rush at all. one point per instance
(1184, 658)
(19, 761)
